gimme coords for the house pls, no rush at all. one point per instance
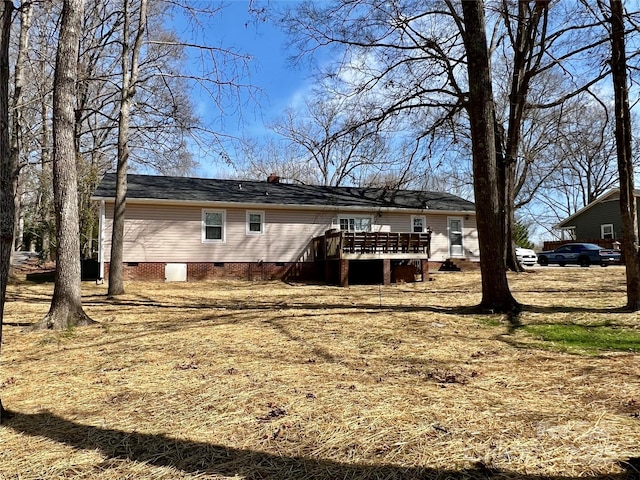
(180, 228)
(598, 222)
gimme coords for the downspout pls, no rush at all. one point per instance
(101, 242)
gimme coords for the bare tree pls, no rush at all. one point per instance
(496, 295)
(273, 155)
(325, 136)
(8, 170)
(17, 107)
(419, 59)
(400, 63)
(163, 125)
(623, 135)
(407, 58)
(148, 78)
(66, 305)
(164, 113)
(130, 67)
(42, 211)
(527, 39)
(585, 153)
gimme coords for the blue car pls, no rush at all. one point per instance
(583, 254)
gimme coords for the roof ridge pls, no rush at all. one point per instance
(265, 182)
(212, 190)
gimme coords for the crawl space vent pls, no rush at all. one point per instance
(175, 272)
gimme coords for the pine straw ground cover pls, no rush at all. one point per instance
(275, 381)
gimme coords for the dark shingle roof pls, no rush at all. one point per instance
(150, 187)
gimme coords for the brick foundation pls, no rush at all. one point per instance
(333, 272)
(425, 270)
(155, 271)
(386, 271)
(343, 266)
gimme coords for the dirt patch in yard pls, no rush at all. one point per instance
(276, 381)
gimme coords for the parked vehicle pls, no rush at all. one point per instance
(526, 256)
(583, 254)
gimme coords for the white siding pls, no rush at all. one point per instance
(159, 233)
(439, 238)
(172, 233)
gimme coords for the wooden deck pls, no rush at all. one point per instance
(336, 245)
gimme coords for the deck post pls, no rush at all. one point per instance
(344, 272)
(386, 271)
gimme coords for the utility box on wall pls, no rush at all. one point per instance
(175, 272)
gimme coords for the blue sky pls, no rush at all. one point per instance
(266, 43)
(280, 83)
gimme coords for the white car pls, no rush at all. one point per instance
(526, 256)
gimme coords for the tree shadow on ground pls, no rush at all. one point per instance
(204, 458)
(514, 321)
(297, 303)
(551, 309)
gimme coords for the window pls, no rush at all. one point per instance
(606, 231)
(213, 225)
(418, 224)
(255, 223)
(355, 224)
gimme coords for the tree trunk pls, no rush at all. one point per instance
(496, 295)
(66, 305)
(8, 170)
(17, 107)
(45, 181)
(525, 66)
(623, 136)
(129, 79)
(18, 193)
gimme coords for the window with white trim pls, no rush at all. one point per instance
(355, 224)
(213, 225)
(418, 224)
(606, 231)
(255, 223)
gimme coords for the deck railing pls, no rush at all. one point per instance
(336, 244)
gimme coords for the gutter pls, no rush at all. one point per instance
(280, 206)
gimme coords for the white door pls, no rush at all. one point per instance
(455, 237)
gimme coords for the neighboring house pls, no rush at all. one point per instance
(597, 222)
(180, 228)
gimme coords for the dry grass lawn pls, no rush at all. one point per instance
(241, 380)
